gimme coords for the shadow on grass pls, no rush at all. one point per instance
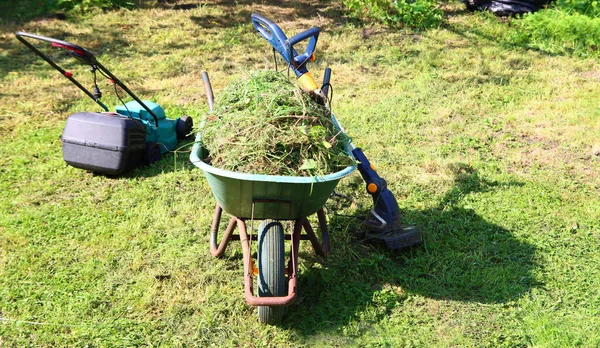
(236, 13)
(169, 162)
(465, 258)
(18, 12)
(17, 57)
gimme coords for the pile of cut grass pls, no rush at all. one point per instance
(264, 124)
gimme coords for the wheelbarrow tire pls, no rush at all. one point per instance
(271, 269)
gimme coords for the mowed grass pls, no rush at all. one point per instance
(493, 151)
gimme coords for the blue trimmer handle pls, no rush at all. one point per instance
(299, 60)
(273, 34)
(280, 42)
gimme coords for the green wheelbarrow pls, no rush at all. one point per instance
(271, 199)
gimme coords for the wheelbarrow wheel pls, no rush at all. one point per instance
(271, 269)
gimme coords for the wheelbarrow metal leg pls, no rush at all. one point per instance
(318, 247)
(324, 230)
(214, 250)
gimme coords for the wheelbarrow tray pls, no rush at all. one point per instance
(267, 196)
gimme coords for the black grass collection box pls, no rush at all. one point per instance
(105, 143)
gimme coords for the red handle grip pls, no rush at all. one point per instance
(76, 51)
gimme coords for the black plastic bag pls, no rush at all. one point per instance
(505, 8)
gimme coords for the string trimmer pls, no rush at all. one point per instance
(384, 220)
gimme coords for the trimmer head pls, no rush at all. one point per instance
(384, 221)
(397, 238)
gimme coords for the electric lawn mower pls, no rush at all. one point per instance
(112, 142)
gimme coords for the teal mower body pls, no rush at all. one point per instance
(165, 134)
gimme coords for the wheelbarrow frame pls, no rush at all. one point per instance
(217, 250)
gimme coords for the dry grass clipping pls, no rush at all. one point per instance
(264, 124)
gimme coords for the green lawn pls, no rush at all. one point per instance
(493, 149)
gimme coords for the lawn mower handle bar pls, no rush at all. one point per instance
(76, 51)
(83, 56)
(280, 42)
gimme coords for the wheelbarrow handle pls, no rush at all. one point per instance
(209, 91)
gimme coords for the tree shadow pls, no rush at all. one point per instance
(17, 57)
(23, 11)
(15, 14)
(18, 12)
(464, 258)
(235, 15)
